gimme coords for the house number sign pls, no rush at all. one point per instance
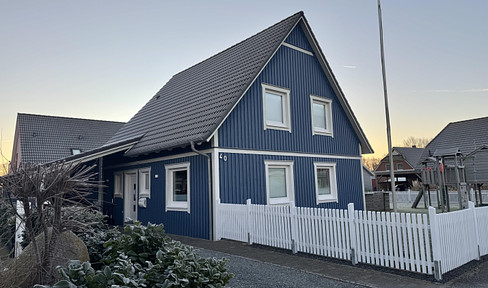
(223, 157)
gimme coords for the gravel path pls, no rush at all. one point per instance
(253, 273)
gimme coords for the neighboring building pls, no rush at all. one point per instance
(470, 137)
(368, 177)
(263, 120)
(41, 139)
(406, 168)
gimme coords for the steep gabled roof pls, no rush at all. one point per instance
(196, 101)
(411, 154)
(48, 138)
(467, 136)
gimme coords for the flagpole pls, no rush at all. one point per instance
(387, 111)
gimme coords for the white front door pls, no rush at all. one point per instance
(130, 197)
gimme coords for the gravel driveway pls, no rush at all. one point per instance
(253, 273)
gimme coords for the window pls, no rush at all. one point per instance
(279, 182)
(321, 115)
(145, 183)
(325, 182)
(75, 151)
(387, 167)
(276, 106)
(400, 166)
(178, 187)
(118, 185)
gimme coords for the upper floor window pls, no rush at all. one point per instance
(387, 167)
(321, 115)
(178, 187)
(276, 106)
(400, 166)
(279, 182)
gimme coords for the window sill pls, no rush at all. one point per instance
(323, 132)
(279, 201)
(277, 126)
(180, 208)
(328, 200)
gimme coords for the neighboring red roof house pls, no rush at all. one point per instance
(405, 161)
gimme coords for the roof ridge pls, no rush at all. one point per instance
(238, 43)
(66, 117)
(467, 120)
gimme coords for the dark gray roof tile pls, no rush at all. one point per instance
(466, 135)
(48, 138)
(195, 101)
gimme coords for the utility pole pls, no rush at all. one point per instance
(387, 111)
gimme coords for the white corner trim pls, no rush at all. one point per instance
(362, 179)
(297, 48)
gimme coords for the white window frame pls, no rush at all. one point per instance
(290, 187)
(398, 166)
(118, 185)
(328, 131)
(285, 107)
(172, 205)
(143, 192)
(333, 182)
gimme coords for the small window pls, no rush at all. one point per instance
(387, 167)
(118, 185)
(279, 182)
(321, 116)
(145, 183)
(75, 151)
(325, 182)
(400, 166)
(276, 106)
(178, 187)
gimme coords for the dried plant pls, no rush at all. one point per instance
(43, 191)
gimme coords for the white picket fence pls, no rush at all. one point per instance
(399, 241)
(429, 244)
(459, 237)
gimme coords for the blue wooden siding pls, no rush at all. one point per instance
(303, 76)
(298, 38)
(193, 224)
(242, 177)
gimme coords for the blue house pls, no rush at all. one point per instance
(263, 120)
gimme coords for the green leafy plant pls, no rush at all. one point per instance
(143, 256)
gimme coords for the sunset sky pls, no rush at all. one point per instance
(106, 59)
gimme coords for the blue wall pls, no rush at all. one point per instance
(193, 224)
(303, 76)
(243, 176)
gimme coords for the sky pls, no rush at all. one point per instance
(106, 59)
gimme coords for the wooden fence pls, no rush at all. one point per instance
(395, 240)
(430, 245)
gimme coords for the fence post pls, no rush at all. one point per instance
(352, 233)
(475, 220)
(218, 223)
(293, 226)
(249, 221)
(436, 243)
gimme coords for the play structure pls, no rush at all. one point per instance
(444, 170)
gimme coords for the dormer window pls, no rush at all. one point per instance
(75, 151)
(276, 106)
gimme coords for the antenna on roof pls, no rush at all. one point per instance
(387, 111)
